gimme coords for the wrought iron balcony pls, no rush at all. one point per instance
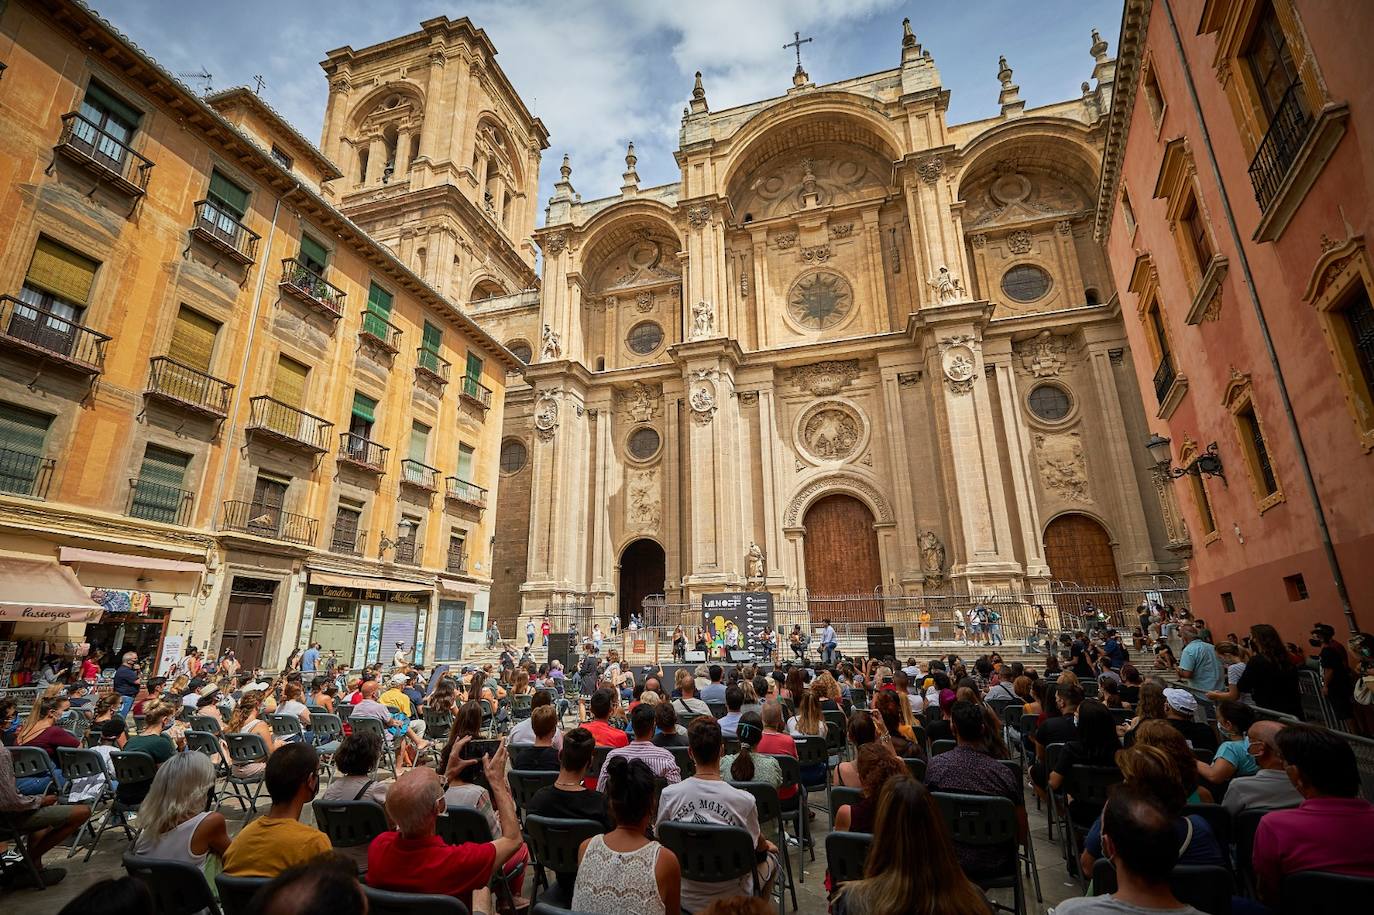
(100, 152)
(406, 551)
(362, 452)
(268, 521)
(221, 229)
(1287, 131)
(24, 474)
(348, 543)
(381, 332)
(50, 336)
(191, 389)
(155, 502)
(418, 475)
(1164, 378)
(468, 493)
(475, 392)
(457, 561)
(429, 364)
(305, 285)
(284, 423)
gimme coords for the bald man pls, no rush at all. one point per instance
(1270, 786)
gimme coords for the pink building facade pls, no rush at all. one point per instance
(1235, 209)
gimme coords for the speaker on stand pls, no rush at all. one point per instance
(882, 642)
(561, 648)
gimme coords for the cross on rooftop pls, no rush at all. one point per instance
(796, 42)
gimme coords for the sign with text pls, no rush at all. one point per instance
(750, 611)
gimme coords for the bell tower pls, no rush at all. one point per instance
(440, 156)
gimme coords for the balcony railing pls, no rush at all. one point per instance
(287, 424)
(221, 229)
(463, 491)
(421, 476)
(362, 452)
(268, 521)
(45, 333)
(1164, 378)
(309, 287)
(155, 502)
(85, 143)
(1287, 130)
(187, 387)
(431, 365)
(348, 543)
(476, 392)
(457, 561)
(405, 551)
(24, 474)
(381, 332)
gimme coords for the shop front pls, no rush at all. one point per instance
(361, 619)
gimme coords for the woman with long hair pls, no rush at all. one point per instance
(174, 824)
(466, 723)
(863, 730)
(748, 765)
(809, 720)
(105, 708)
(1150, 708)
(1095, 745)
(911, 865)
(246, 719)
(1160, 733)
(1131, 681)
(623, 871)
(794, 685)
(521, 685)
(1270, 678)
(827, 690)
(324, 694)
(899, 735)
(875, 764)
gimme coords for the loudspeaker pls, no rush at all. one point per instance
(882, 642)
(561, 648)
(694, 657)
(741, 655)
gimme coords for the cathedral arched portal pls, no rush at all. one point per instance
(643, 570)
(1079, 552)
(842, 559)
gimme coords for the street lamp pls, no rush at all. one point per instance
(1207, 464)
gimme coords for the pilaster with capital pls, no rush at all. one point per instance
(774, 476)
(708, 280)
(1016, 434)
(899, 460)
(936, 240)
(1116, 464)
(559, 545)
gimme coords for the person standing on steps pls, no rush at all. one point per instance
(529, 633)
(829, 642)
(544, 629)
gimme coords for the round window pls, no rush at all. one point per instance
(513, 456)
(521, 350)
(1049, 402)
(643, 443)
(1025, 283)
(644, 338)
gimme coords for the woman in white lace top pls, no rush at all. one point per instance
(623, 871)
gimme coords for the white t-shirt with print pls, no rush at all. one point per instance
(697, 800)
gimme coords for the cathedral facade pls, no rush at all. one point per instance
(853, 347)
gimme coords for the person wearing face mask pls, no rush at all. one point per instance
(1270, 786)
(270, 844)
(158, 740)
(1232, 757)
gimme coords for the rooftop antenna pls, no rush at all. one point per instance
(258, 83)
(203, 75)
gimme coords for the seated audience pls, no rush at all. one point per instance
(912, 864)
(688, 702)
(569, 799)
(624, 871)
(43, 732)
(707, 798)
(1270, 677)
(1330, 830)
(44, 822)
(715, 691)
(1061, 727)
(748, 765)
(862, 732)
(876, 764)
(270, 844)
(1095, 745)
(1270, 786)
(1233, 757)
(356, 760)
(540, 756)
(174, 824)
(156, 740)
(1179, 708)
(605, 733)
(522, 732)
(661, 762)
(247, 719)
(1150, 708)
(900, 735)
(667, 731)
(777, 742)
(734, 706)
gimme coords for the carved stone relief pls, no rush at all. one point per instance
(641, 402)
(1019, 242)
(702, 396)
(644, 302)
(825, 378)
(831, 431)
(815, 254)
(932, 558)
(645, 261)
(948, 288)
(785, 240)
(1063, 467)
(823, 177)
(843, 230)
(838, 482)
(551, 346)
(959, 362)
(546, 416)
(555, 243)
(642, 503)
(703, 320)
(1044, 354)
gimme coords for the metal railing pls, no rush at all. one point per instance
(24, 474)
(423, 476)
(364, 452)
(379, 329)
(305, 283)
(346, 544)
(405, 551)
(457, 561)
(83, 140)
(223, 229)
(1164, 377)
(462, 491)
(475, 391)
(432, 364)
(289, 424)
(178, 382)
(52, 336)
(268, 521)
(155, 502)
(1287, 130)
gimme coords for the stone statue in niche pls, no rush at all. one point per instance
(754, 561)
(948, 289)
(932, 558)
(550, 346)
(831, 433)
(703, 320)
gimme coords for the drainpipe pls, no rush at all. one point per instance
(1309, 481)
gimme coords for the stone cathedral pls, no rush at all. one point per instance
(851, 347)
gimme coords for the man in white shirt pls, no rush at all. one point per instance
(1270, 786)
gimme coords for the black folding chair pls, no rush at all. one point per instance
(465, 824)
(178, 888)
(843, 796)
(375, 726)
(350, 823)
(1090, 787)
(12, 832)
(718, 709)
(942, 746)
(1206, 888)
(836, 735)
(1243, 828)
(76, 765)
(520, 707)
(711, 852)
(553, 845)
(525, 783)
(987, 822)
(206, 723)
(846, 853)
(599, 754)
(286, 728)
(769, 809)
(236, 893)
(795, 807)
(129, 769)
(1025, 849)
(1218, 819)
(1322, 893)
(437, 724)
(328, 731)
(385, 902)
(683, 757)
(208, 744)
(244, 750)
(32, 762)
(916, 766)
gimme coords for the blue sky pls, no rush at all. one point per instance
(602, 73)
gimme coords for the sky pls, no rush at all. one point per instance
(600, 73)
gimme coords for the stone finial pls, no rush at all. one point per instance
(1099, 48)
(1004, 72)
(800, 78)
(1010, 96)
(698, 104)
(562, 188)
(566, 168)
(630, 180)
(908, 36)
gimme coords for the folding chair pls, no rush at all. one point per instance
(599, 754)
(465, 824)
(859, 698)
(206, 723)
(32, 762)
(385, 902)
(129, 769)
(374, 726)
(520, 707)
(328, 731)
(1322, 893)
(236, 893)
(437, 724)
(718, 709)
(553, 845)
(916, 766)
(286, 728)
(246, 749)
(843, 796)
(1206, 888)
(812, 752)
(770, 809)
(178, 888)
(837, 737)
(986, 821)
(10, 831)
(1243, 828)
(795, 807)
(1218, 819)
(942, 746)
(1026, 850)
(685, 765)
(846, 853)
(711, 852)
(525, 783)
(350, 823)
(80, 764)
(1052, 807)
(1090, 786)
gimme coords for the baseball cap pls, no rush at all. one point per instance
(209, 689)
(399, 679)
(1180, 700)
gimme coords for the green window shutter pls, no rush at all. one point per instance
(193, 340)
(364, 407)
(313, 254)
(465, 463)
(61, 271)
(22, 430)
(474, 370)
(225, 193)
(419, 442)
(433, 337)
(97, 96)
(379, 301)
(164, 468)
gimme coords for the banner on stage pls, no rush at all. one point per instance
(750, 611)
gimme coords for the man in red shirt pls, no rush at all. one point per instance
(413, 859)
(605, 733)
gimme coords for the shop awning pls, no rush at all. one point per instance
(463, 588)
(40, 590)
(368, 583)
(128, 561)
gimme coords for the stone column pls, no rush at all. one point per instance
(376, 158)
(402, 156)
(774, 476)
(714, 464)
(1018, 446)
(899, 462)
(1116, 465)
(672, 489)
(602, 552)
(759, 239)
